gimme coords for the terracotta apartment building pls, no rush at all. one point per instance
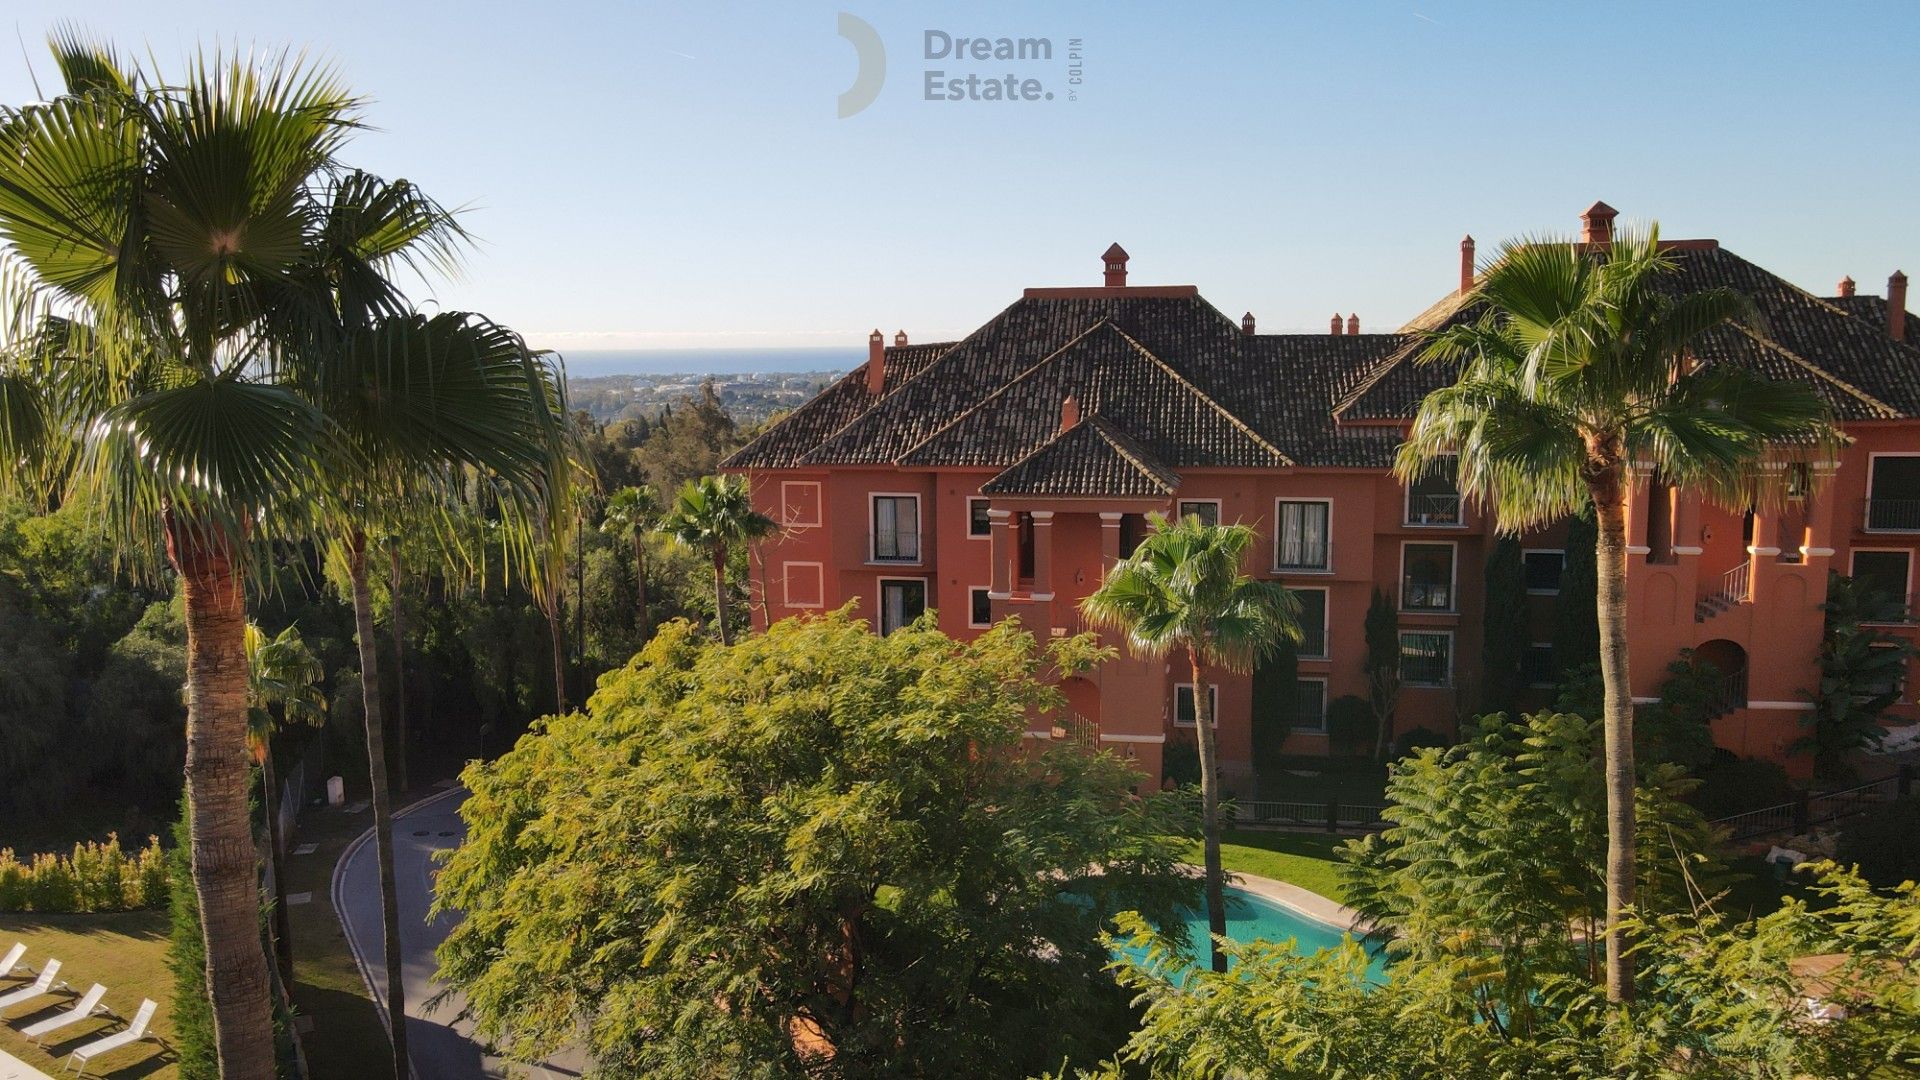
(1000, 474)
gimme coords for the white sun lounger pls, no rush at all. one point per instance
(82, 1009)
(41, 985)
(134, 1033)
(10, 963)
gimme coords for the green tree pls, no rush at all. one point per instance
(1382, 667)
(282, 674)
(818, 852)
(191, 1007)
(1861, 670)
(634, 512)
(1503, 627)
(1183, 591)
(1577, 364)
(1576, 608)
(715, 515)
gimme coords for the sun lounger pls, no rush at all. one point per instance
(82, 1009)
(10, 963)
(41, 985)
(134, 1033)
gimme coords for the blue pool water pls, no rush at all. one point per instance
(1250, 918)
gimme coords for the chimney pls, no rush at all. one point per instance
(1246, 324)
(1069, 413)
(1897, 306)
(900, 339)
(1337, 324)
(1466, 265)
(1353, 323)
(876, 363)
(1115, 261)
(1596, 225)
(1847, 286)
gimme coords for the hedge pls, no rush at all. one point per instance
(96, 877)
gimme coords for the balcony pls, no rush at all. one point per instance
(1436, 596)
(1303, 558)
(1891, 515)
(1429, 510)
(893, 546)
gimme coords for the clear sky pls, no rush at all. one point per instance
(644, 174)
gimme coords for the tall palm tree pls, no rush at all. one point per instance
(1579, 362)
(634, 512)
(154, 222)
(1182, 591)
(715, 514)
(281, 672)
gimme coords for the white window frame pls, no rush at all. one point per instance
(1400, 641)
(1866, 509)
(786, 584)
(1275, 552)
(880, 598)
(1853, 557)
(1326, 621)
(986, 590)
(971, 535)
(1453, 578)
(1900, 681)
(1217, 508)
(1406, 506)
(873, 531)
(819, 504)
(1547, 645)
(1213, 700)
(1322, 729)
(1524, 552)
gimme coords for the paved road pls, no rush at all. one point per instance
(438, 1039)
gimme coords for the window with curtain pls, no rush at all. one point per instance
(896, 528)
(1300, 536)
(901, 602)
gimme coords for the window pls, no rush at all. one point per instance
(902, 600)
(1891, 679)
(1886, 574)
(1300, 535)
(896, 528)
(1434, 498)
(1542, 568)
(979, 525)
(1313, 623)
(1133, 529)
(1207, 510)
(1426, 659)
(1536, 665)
(1183, 704)
(979, 607)
(1309, 712)
(1426, 577)
(1893, 493)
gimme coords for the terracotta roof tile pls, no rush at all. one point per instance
(1091, 459)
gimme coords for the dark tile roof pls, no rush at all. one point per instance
(782, 445)
(1874, 310)
(1091, 459)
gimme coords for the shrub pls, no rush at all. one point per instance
(1181, 763)
(1885, 844)
(187, 959)
(1351, 726)
(1738, 785)
(1421, 738)
(97, 876)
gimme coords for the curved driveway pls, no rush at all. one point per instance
(439, 1040)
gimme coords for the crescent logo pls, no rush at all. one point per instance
(873, 64)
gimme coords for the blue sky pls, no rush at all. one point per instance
(674, 175)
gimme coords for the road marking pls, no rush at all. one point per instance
(306, 849)
(299, 898)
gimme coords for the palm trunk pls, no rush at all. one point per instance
(225, 878)
(720, 593)
(640, 576)
(270, 802)
(1611, 555)
(382, 808)
(554, 635)
(399, 673)
(1209, 815)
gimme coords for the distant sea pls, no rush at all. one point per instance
(588, 363)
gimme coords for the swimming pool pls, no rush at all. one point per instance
(1254, 918)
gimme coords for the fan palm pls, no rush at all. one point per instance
(1579, 362)
(1182, 591)
(282, 672)
(634, 512)
(715, 514)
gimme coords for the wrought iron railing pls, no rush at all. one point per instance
(1426, 595)
(1072, 728)
(1892, 515)
(1331, 816)
(895, 545)
(1818, 808)
(1730, 693)
(1433, 509)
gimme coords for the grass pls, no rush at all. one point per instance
(126, 951)
(1304, 859)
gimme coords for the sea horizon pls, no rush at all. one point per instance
(595, 363)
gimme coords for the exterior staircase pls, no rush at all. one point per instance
(1735, 589)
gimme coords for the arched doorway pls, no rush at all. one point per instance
(1730, 660)
(1079, 721)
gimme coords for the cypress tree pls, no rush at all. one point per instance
(1503, 627)
(187, 958)
(1576, 639)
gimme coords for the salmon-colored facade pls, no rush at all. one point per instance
(1001, 475)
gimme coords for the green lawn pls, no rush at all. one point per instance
(126, 952)
(1304, 859)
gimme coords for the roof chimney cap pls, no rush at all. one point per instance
(1338, 324)
(900, 338)
(1466, 264)
(876, 363)
(1847, 285)
(1114, 260)
(1069, 413)
(1597, 223)
(1353, 323)
(1246, 323)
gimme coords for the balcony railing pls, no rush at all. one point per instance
(1433, 509)
(1892, 515)
(1303, 558)
(1426, 595)
(1736, 585)
(896, 546)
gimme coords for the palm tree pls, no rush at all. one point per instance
(281, 671)
(715, 514)
(634, 512)
(153, 223)
(1580, 361)
(1183, 591)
